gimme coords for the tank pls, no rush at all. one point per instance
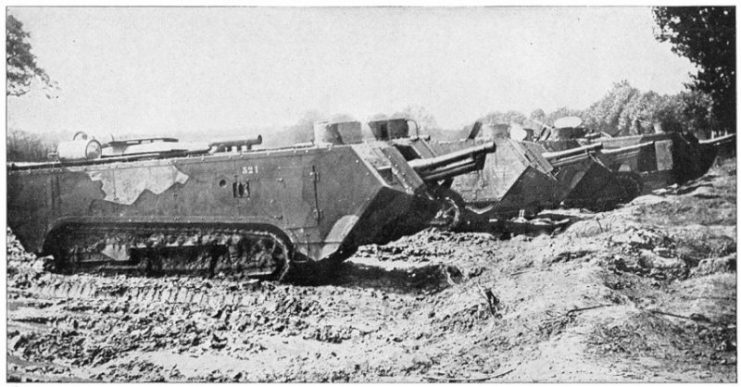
(659, 159)
(671, 159)
(508, 181)
(221, 207)
(589, 183)
(516, 178)
(522, 178)
(419, 152)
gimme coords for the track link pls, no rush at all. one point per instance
(166, 250)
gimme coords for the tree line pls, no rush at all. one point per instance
(626, 111)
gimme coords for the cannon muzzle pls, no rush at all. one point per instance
(559, 159)
(221, 146)
(453, 164)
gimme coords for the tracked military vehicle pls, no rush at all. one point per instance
(162, 206)
(659, 159)
(589, 182)
(518, 180)
(673, 158)
(522, 177)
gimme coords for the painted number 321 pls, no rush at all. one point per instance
(249, 169)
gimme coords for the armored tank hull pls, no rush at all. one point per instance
(269, 213)
(660, 159)
(516, 178)
(522, 178)
(588, 181)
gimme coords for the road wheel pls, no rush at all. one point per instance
(450, 213)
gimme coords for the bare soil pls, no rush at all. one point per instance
(643, 293)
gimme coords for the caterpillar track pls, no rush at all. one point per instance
(157, 206)
(172, 250)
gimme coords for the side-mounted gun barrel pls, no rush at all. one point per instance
(630, 148)
(571, 155)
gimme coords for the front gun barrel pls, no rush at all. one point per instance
(453, 164)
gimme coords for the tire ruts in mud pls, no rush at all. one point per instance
(164, 293)
(168, 250)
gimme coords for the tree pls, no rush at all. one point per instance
(707, 37)
(609, 114)
(640, 113)
(509, 117)
(670, 114)
(23, 146)
(697, 114)
(21, 63)
(300, 132)
(538, 115)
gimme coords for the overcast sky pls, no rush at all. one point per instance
(158, 70)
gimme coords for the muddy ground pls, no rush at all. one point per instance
(643, 293)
